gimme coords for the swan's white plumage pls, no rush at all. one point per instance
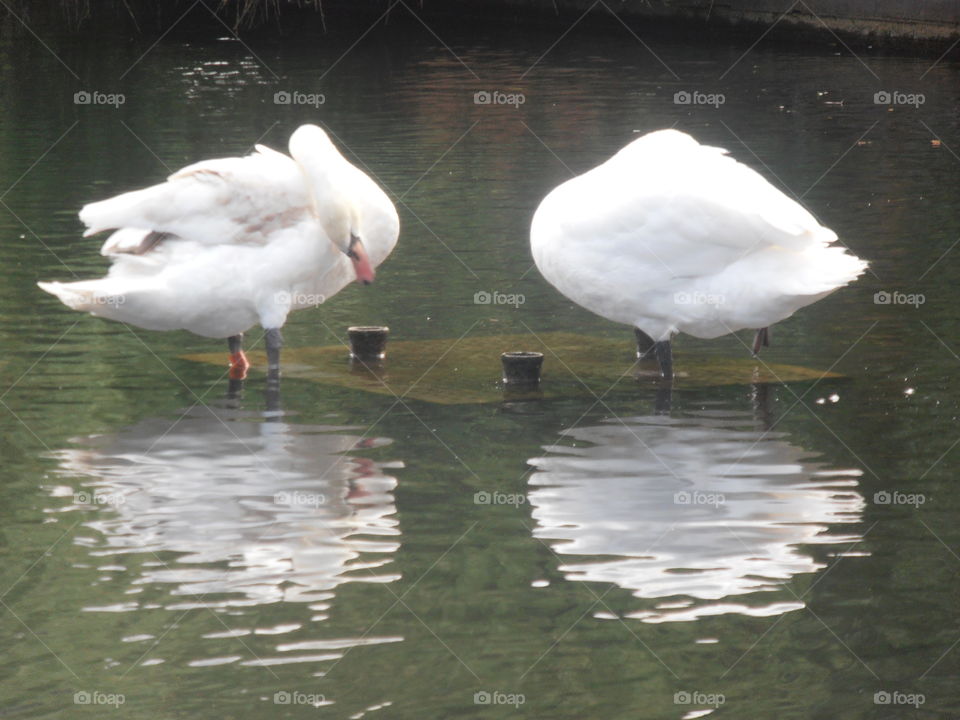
(245, 240)
(672, 236)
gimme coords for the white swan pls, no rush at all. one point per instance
(672, 236)
(225, 244)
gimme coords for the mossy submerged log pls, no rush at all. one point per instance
(468, 371)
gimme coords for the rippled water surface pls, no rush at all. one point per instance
(197, 550)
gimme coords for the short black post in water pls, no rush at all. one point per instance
(368, 342)
(522, 368)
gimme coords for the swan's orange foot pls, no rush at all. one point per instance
(238, 366)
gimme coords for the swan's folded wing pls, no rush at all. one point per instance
(744, 192)
(732, 204)
(224, 201)
(684, 217)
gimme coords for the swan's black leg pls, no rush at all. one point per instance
(644, 343)
(646, 346)
(762, 408)
(234, 392)
(761, 339)
(664, 355)
(274, 343)
(238, 361)
(663, 399)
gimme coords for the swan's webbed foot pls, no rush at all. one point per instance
(761, 339)
(238, 360)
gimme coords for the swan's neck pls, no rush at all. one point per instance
(334, 208)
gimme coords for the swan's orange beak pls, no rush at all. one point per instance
(361, 262)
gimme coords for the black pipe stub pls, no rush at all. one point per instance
(368, 343)
(521, 367)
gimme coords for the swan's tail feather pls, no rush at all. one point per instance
(133, 241)
(88, 296)
(837, 267)
(127, 210)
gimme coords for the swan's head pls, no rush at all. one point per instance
(333, 204)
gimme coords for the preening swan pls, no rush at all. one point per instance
(225, 244)
(672, 236)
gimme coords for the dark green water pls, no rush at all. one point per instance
(201, 556)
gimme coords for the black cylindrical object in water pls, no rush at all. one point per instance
(368, 342)
(521, 368)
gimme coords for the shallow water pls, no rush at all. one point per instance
(791, 548)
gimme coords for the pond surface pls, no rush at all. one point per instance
(785, 550)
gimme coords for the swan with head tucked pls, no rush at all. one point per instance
(672, 236)
(226, 244)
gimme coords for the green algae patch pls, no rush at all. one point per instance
(466, 371)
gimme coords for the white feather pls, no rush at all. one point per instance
(669, 235)
(245, 246)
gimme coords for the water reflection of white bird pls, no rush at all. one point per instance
(699, 510)
(259, 510)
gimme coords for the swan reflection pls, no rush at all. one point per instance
(256, 510)
(690, 512)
